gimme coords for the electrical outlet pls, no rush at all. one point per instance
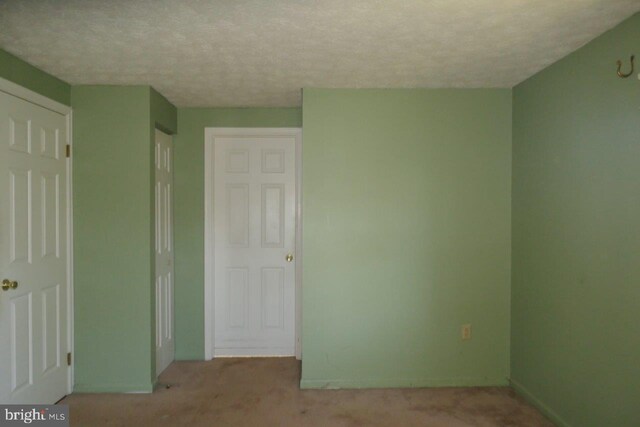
(466, 332)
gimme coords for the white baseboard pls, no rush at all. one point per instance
(403, 383)
(255, 352)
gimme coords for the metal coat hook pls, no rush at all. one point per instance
(620, 73)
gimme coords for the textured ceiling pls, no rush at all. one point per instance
(262, 52)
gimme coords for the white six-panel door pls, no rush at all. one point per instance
(254, 229)
(33, 253)
(165, 346)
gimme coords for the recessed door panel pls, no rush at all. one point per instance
(168, 307)
(20, 134)
(49, 143)
(272, 215)
(50, 214)
(21, 342)
(238, 215)
(159, 310)
(159, 217)
(50, 328)
(237, 161)
(272, 297)
(20, 211)
(168, 221)
(273, 161)
(237, 291)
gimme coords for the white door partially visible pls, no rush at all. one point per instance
(33, 253)
(254, 228)
(165, 346)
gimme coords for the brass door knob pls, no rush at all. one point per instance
(9, 284)
(289, 258)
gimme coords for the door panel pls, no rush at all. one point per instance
(50, 188)
(238, 215)
(33, 253)
(165, 347)
(21, 215)
(21, 342)
(50, 328)
(237, 290)
(272, 298)
(272, 212)
(254, 229)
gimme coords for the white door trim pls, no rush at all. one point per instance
(48, 103)
(209, 249)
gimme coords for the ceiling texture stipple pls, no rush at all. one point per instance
(262, 52)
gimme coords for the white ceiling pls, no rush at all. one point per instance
(262, 52)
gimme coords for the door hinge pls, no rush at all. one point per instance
(68, 359)
(68, 151)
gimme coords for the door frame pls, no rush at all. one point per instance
(209, 246)
(21, 92)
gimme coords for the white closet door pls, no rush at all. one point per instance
(165, 346)
(254, 216)
(33, 253)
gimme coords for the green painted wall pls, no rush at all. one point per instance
(576, 236)
(113, 237)
(20, 72)
(189, 210)
(406, 211)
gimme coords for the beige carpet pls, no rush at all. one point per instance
(265, 392)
